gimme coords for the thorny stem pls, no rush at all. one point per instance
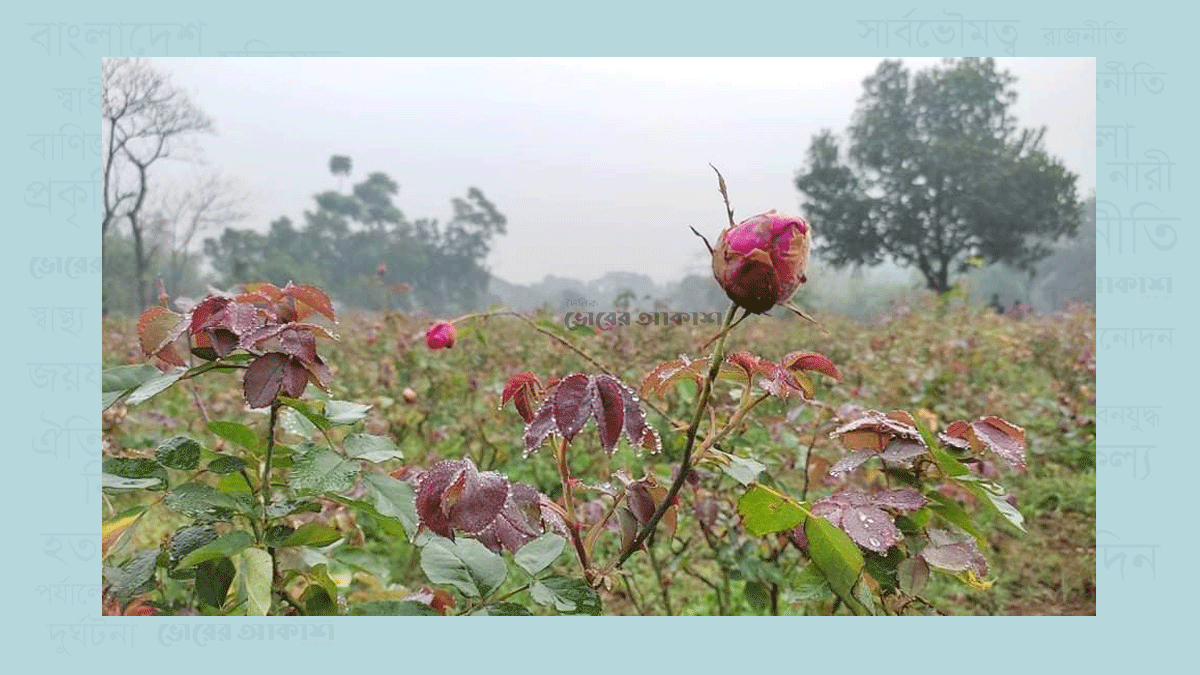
(265, 486)
(564, 473)
(702, 399)
(808, 456)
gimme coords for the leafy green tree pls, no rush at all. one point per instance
(358, 244)
(937, 173)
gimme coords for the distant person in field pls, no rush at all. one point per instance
(995, 303)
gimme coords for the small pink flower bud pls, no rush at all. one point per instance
(761, 261)
(440, 335)
(410, 396)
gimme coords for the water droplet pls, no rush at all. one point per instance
(862, 518)
(873, 541)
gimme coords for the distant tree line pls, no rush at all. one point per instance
(363, 250)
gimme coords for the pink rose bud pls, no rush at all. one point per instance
(761, 261)
(440, 335)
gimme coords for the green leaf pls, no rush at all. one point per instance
(236, 433)
(180, 452)
(392, 608)
(320, 470)
(315, 418)
(990, 492)
(133, 473)
(254, 580)
(294, 423)
(135, 576)
(538, 554)
(811, 585)
(118, 381)
(883, 568)
(371, 448)
(110, 482)
(213, 578)
(227, 464)
(392, 498)
(275, 535)
(765, 511)
(953, 512)
(742, 469)
(187, 539)
(201, 501)
(156, 385)
(948, 464)
(312, 534)
(317, 602)
(225, 546)
(567, 595)
(836, 556)
(465, 564)
(345, 412)
(757, 595)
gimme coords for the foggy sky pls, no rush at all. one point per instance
(598, 164)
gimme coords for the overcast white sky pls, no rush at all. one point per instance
(599, 164)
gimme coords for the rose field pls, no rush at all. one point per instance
(941, 460)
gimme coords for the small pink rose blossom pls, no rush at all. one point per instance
(440, 335)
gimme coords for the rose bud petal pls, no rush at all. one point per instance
(440, 335)
(761, 261)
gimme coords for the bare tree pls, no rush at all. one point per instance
(211, 202)
(144, 117)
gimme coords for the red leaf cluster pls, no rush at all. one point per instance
(453, 495)
(262, 319)
(863, 517)
(573, 400)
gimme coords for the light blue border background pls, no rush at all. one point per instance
(1142, 611)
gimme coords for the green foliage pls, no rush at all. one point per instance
(364, 251)
(338, 517)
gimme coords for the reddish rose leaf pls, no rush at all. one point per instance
(901, 450)
(573, 404)
(608, 407)
(223, 341)
(204, 315)
(641, 503)
(310, 298)
(900, 500)
(851, 461)
(482, 496)
(242, 318)
(637, 431)
(264, 379)
(542, 425)
(158, 328)
(861, 517)
(453, 495)
(875, 431)
(295, 378)
(667, 373)
(431, 486)
(523, 389)
(808, 360)
(1002, 438)
(954, 553)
